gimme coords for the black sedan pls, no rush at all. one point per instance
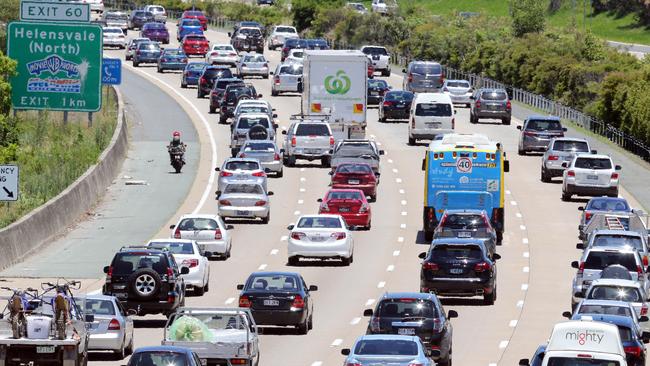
(210, 73)
(278, 298)
(407, 313)
(376, 90)
(459, 267)
(396, 105)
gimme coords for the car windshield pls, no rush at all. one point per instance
(297, 54)
(273, 282)
(169, 52)
(215, 73)
(157, 9)
(433, 109)
(627, 294)
(174, 248)
(600, 260)
(317, 43)
(494, 95)
(574, 361)
(254, 58)
(375, 51)
(604, 309)
(399, 96)
(259, 146)
(197, 223)
(458, 84)
(291, 70)
(593, 163)
(128, 262)
(191, 23)
(621, 241)
(406, 308)
(285, 30)
(464, 221)
(354, 168)
(149, 46)
(221, 84)
(568, 145)
(374, 83)
(543, 125)
(312, 129)
(428, 69)
(142, 14)
(292, 42)
(319, 222)
(100, 307)
(599, 204)
(391, 347)
(195, 66)
(244, 188)
(354, 150)
(149, 358)
(248, 122)
(253, 32)
(345, 195)
(242, 165)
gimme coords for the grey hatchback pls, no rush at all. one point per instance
(490, 103)
(423, 77)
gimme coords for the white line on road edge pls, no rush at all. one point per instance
(229, 300)
(390, 268)
(337, 342)
(317, 363)
(524, 240)
(370, 302)
(262, 267)
(395, 253)
(524, 286)
(503, 344)
(513, 323)
(284, 238)
(381, 284)
(213, 143)
(520, 303)
(355, 321)
(274, 251)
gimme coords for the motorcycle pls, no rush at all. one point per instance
(177, 158)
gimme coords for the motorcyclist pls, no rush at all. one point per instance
(176, 147)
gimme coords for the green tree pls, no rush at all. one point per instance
(8, 126)
(528, 16)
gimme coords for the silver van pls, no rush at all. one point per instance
(423, 77)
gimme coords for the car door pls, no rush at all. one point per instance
(225, 234)
(305, 289)
(128, 321)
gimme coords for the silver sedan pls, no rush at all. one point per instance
(266, 152)
(112, 328)
(253, 64)
(245, 201)
(241, 170)
(385, 349)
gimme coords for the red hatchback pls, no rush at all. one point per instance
(355, 176)
(195, 44)
(196, 14)
(351, 204)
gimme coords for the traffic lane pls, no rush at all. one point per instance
(89, 245)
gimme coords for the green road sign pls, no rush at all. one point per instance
(59, 66)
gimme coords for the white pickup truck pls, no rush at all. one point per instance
(217, 335)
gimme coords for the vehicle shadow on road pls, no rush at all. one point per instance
(149, 323)
(461, 301)
(534, 153)
(101, 356)
(315, 164)
(318, 263)
(419, 238)
(243, 221)
(277, 330)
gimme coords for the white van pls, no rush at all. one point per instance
(432, 114)
(584, 340)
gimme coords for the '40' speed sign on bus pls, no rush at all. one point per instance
(464, 165)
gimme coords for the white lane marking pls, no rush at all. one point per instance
(381, 284)
(284, 238)
(390, 161)
(524, 286)
(395, 170)
(317, 363)
(370, 302)
(526, 269)
(274, 251)
(524, 240)
(372, 136)
(213, 143)
(503, 344)
(302, 190)
(398, 180)
(514, 203)
(296, 213)
(96, 292)
(400, 239)
(303, 179)
(522, 227)
(262, 267)
(300, 202)
(513, 323)
(518, 215)
(492, 364)
(379, 144)
(395, 253)
(229, 300)
(401, 191)
(520, 303)
(390, 268)
(526, 255)
(402, 226)
(337, 342)
(302, 169)
(403, 202)
(508, 192)
(404, 213)
(355, 321)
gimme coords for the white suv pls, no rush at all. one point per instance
(280, 34)
(381, 7)
(590, 175)
(159, 12)
(379, 57)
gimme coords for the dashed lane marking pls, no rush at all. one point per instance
(355, 321)
(503, 344)
(526, 255)
(402, 226)
(370, 302)
(403, 202)
(302, 190)
(303, 179)
(300, 202)
(526, 269)
(395, 170)
(296, 213)
(524, 240)
(513, 323)
(514, 203)
(337, 342)
(398, 180)
(302, 169)
(401, 191)
(524, 286)
(262, 267)
(274, 251)
(284, 238)
(400, 239)
(520, 303)
(381, 284)
(518, 215)
(522, 227)
(229, 300)
(395, 253)
(404, 213)
(390, 161)
(390, 268)
(317, 363)
(508, 192)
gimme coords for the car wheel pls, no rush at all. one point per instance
(382, 118)
(310, 324)
(135, 64)
(222, 119)
(199, 94)
(428, 235)
(120, 354)
(445, 362)
(326, 161)
(506, 121)
(233, 152)
(472, 119)
(266, 219)
(129, 348)
(545, 177)
(160, 70)
(183, 86)
(266, 76)
(206, 288)
(279, 174)
(488, 299)
(294, 261)
(368, 226)
(274, 93)
(303, 328)
(212, 109)
(199, 291)
(521, 152)
(566, 196)
(346, 261)
(411, 141)
(291, 161)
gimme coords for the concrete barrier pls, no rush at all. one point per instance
(26, 235)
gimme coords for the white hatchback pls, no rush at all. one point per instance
(209, 231)
(432, 114)
(187, 254)
(320, 236)
(590, 175)
(222, 54)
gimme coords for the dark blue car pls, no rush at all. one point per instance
(146, 52)
(164, 356)
(192, 73)
(172, 59)
(396, 105)
(189, 26)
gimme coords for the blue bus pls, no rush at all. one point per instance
(463, 171)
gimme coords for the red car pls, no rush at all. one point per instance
(195, 44)
(351, 204)
(355, 176)
(196, 14)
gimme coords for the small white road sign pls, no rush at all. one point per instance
(9, 182)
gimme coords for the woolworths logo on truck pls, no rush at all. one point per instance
(337, 84)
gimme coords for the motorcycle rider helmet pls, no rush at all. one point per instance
(176, 136)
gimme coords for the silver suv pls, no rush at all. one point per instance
(423, 77)
(490, 103)
(590, 175)
(561, 150)
(248, 124)
(309, 140)
(537, 132)
(379, 57)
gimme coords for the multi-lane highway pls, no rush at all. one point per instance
(534, 280)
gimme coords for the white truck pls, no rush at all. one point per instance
(336, 84)
(219, 336)
(582, 342)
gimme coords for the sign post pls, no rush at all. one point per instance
(9, 182)
(59, 66)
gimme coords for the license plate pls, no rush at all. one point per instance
(406, 331)
(492, 106)
(45, 349)
(312, 151)
(592, 177)
(374, 93)
(464, 234)
(317, 238)
(196, 46)
(353, 181)
(242, 213)
(456, 271)
(271, 302)
(344, 209)
(120, 295)
(432, 124)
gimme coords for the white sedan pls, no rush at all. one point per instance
(222, 54)
(209, 231)
(187, 254)
(320, 236)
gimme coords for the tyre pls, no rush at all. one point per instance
(472, 119)
(135, 64)
(160, 70)
(291, 161)
(381, 118)
(198, 93)
(506, 121)
(545, 177)
(212, 109)
(206, 288)
(129, 348)
(144, 284)
(120, 354)
(183, 86)
(428, 235)
(386, 73)
(346, 261)
(198, 291)
(303, 328)
(177, 166)
(411, 141)
(310, 323)
(488, 299)
(266, 76)
(445, 362)
(294, 261)
(521, 152)
(266, 219)
(274, 93)
(566, 196)
(222, 119)
(325, 161)
(279, 174)
(233, 152)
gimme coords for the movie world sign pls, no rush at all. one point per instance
(59, 66)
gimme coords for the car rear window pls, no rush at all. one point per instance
(543, 125)
(244, 188)
(174, 248)
(345, 195)
(315, 222)
(291, 70)
(214, 73)
(355, 149)
(374, 83)
(429, 69)
(297, 54)
(157, 26)
(149, 46)
(600, 260)
(312, 129)
(100, 307)
(292, 42)
(599, 204)
(447, 252)
(386, 347)
(173, 52)
(593, 163)
(149, 358)
(617, 293)
(142, 14)
(574, 361)
(285, 30)
(128, 262)
(195, 66)
(113, 30)
(254, 58)
(258, 146)
(464, 221)
(317, 43)
(248, 122)
(242, 165)
(622, 241)
(626, 333)
(577, 146)
(458, 84)
(191, 23)
(399, 96)
(158, 9)
(273, 282)
(375, 51)
(406, 308)
(254, 32)
(253, 109)
(197, 223)
(193, 13)
(223, 47)
(433, 110)
(221, 84)
(117, 17)
(354, 168)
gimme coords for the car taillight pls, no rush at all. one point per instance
(177, 233)
(276, 80)
(298, 302)
(388, 103)
(114, 325)
(639, 271)
(410, 77)
(217, 234)
(430, 266)
(416, 364)
(331, 140)
(437, 327)
(413, 122)
(232, 54)
(225, 174)
(244, 302)
(276, 156)
(442, 78)
(202, 80)
(482, 267)
(293, 141)
(581, 268)
(644, 309)
(242, 155)
(297, 235)
(614, 176)
(587, 217)
(163, 60)
(225, 203)
(508, 105)
(445, 89)
(259, 174)
(529, 133)
(633, 350)
(570, 173)
(553, 157)
(364, 208)
(170, 273)
(109, 273)
(191, 263)
(645, 260)
(478, 104)
(238, 361)
(260, 203)
(338, 236)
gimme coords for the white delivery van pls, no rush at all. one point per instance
(432, 114)
(335, 84)
(583, 342)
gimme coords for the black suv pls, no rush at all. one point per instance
(209, 75)
(459, 267)
(231, 96)
(247, 39)
(408, 313)
(218, 88)
(146, 280)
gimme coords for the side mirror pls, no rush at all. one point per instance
(452, 314)
(404, 71)
(319, 200)
(270, 72)
(643, 318)
(132, 312)
(217, 169)
(267, 170)
(207, 254)
(594, 151)
(519, 127)
(567, 314)
(275, 125)
(331, 172)
(422, 255)
(645, 336)
(218, 193)
(565, 164)
(275, 115)
(435, 353)
(185, 270)
(240, 287)
(345, 351)
(172, 226)
(455, 111)
(106, 269)
(382, 152)
(367, 312)
(424, 163)
(579, 295)
(229, 34)
(259, 95)
(506, 166)
(580, 246)
(284, 132)
(524, 362)
(313, 288)
(496, 256)
(581, 208)
(281, 151)
(564, 129)
(270, 193)
(472, 97)
(618, 167)
(575, 265)
(229, 227)
(290, 227)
